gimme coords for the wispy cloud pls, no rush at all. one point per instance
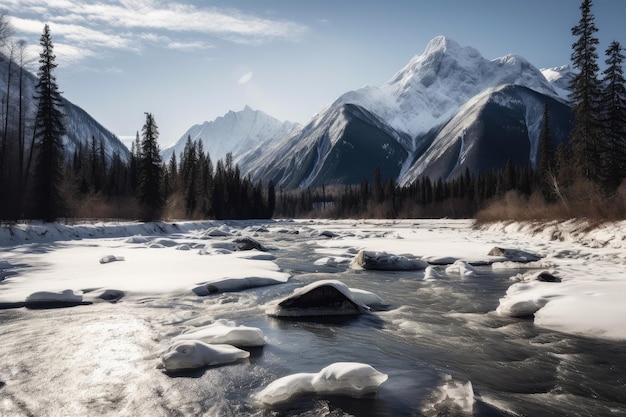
(128, 24)
(245, 77)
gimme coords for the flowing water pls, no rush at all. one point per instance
(445, 350)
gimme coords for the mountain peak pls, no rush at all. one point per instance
(234, 132)
(440, 44)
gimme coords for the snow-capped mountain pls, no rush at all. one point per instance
(447, 109)
(235, 132)
(79, 125)
(341, 146)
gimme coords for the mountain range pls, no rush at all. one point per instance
(448, 110)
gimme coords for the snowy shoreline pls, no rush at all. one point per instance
(588, 260)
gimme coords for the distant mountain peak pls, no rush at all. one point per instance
(235, 132)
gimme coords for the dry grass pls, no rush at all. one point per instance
(582, 200)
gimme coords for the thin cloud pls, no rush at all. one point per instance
(159, 15)
(188, 46)
(245, 77)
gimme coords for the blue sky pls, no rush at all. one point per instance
(191, 61)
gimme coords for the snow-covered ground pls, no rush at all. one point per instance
(48, 262)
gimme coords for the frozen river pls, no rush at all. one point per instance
(440, 341)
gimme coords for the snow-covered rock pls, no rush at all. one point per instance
(341, 378)
(320, 298)
(225, 332)
(50, 299)
(235, 284)
(383, 261)
(516, 255)
(111, 258)
(191, 354)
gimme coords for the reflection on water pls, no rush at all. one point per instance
(445, 351)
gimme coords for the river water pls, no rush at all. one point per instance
(445, 350)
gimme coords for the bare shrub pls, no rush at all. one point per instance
(175, 207)
(582, 199)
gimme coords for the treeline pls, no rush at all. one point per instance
(196, 189)
(514, 193)
(38, 180)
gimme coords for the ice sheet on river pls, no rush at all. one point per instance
(75, 265)
(340, 378)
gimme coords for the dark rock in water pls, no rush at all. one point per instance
(112, 296)
(247, 243)
(206, 289)
(323, 296)
(547, 277)
(328, 233)
(382, 261)
(515, 255)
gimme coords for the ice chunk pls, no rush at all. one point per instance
(461, 268)
(341, 378)
(451, 398)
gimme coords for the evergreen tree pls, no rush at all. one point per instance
(49, 130)
(614, 118)
(585, 87)
(545, 156)
(172, 174)
(188, 170)
(271, 199)
(150, 171)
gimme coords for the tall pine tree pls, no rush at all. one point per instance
(150, 171)
(614, 119)
(49, 129)
(585, 87)
(545, 157)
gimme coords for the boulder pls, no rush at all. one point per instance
(383, 261)
(515, 255)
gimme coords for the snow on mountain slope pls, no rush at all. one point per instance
(429, 90)
(560, 79)
(498, 125)
(235, 132)
(428, 108)
(79, 125)
(342, 145)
